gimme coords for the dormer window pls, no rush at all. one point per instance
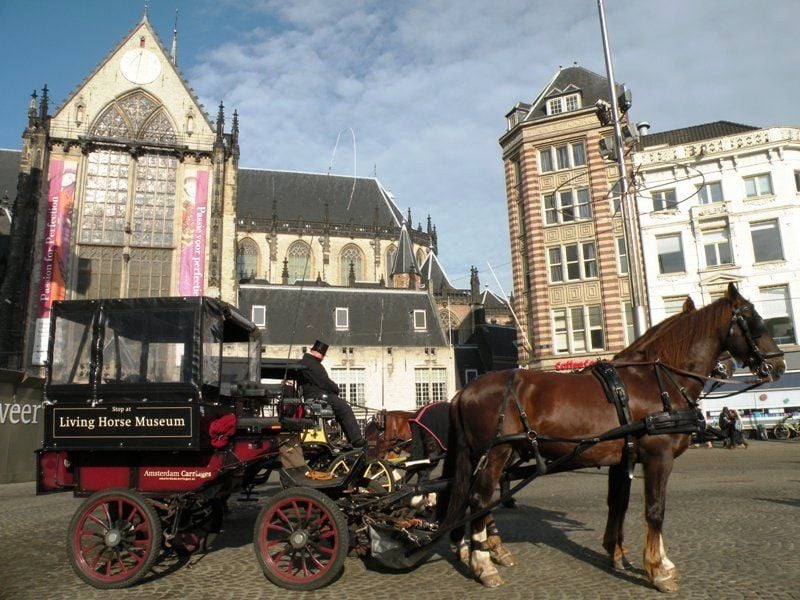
(342, 318)
(562, 104)
(420, 322)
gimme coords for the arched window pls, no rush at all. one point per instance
(449, 320)
(420, 258)
(247, 259)
(391, 254)
(299, 261)
(351, 254)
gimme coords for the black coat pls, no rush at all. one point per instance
(315, 380)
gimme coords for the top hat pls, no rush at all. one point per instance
(320, 347)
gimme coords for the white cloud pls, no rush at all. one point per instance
(426, 85)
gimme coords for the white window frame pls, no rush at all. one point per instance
(352, 384)
(583, 260)
(420, 320)
(670, 236)
(430, 385)
(575, 325)
(706, 193)
(258, 315)
(622, 256)
(628, 322)
(342, 318)
(569, 156)
(777, 306)
(760, 184)
(554, 106)
(714, 243)
(470, 375)
(662, 202)
(567, 206)
(775, 225)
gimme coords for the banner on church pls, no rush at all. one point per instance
(193, 232)
(55, 250)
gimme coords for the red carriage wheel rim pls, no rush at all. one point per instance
(113, 539)
(298, 540)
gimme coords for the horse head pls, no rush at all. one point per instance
(749, 341)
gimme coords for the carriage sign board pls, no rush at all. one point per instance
(121, 422)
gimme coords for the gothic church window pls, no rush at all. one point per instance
(351, 255)
(247, 259)
(299, 261)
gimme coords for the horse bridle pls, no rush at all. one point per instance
(762, 367)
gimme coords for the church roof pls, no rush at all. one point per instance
(491, 300)
(695, 133)
(404, 259)
(433, 276)
(303, 197)
(591, 86)
(384, 317)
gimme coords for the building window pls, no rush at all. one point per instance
(566, 156)
(470, 375)
(351, 255)
(572, 205)
(766, 236)
(622, 256)
(573, 102)
(615, 193)
(545, 161)
(351, 384)
(664, 200)
(578, 329)
(673, 305)
(247, 259)
(420, 321)
(710, 192)
(342, 318)
(430, 385)
(630, 330)
(670, 254)
(298, 259)
(758, 185)
(554, 106)
(576, 261)
(391, 254)
(258, 314)
(776, 310)
(717, 245)
(797, 180)
(578, 155)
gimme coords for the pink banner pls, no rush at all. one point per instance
(193, 233)
(57, 234)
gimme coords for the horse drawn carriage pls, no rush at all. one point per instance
(140, 420)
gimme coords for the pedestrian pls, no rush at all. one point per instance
(738, 430)
(726, 426)
(317, 385)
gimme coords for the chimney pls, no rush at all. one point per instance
(643, 127)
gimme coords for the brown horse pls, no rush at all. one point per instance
(665, 369)
(389, 433)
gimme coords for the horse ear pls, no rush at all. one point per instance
(732, 293)
(688, 304)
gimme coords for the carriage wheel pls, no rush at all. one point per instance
(341, 466)
(114, 539)
(781, 432)
(379, 472)
(301, 539)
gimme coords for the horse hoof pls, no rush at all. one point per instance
(666, 585)
(503, 557)
(618, 564)
(491, 581)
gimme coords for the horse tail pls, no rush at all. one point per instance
(458, 467)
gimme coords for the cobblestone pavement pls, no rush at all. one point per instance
(732, 528)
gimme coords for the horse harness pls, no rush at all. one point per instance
(668, 421)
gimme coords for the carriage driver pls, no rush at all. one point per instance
(317, 385)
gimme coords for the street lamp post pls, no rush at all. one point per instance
(627, 204)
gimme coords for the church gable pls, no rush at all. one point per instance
(136, 92)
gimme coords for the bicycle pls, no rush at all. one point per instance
(785, 429)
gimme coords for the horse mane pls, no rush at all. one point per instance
(671, 340)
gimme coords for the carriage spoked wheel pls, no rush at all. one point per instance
(378, 471)
(113, 539)
(301, 539)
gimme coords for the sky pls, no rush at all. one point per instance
(424, 85)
